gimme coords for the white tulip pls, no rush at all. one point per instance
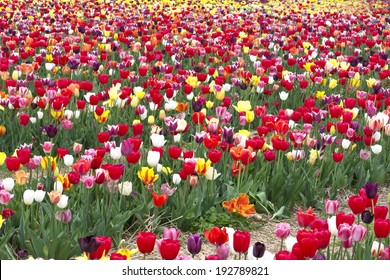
(125, 188)
(28, 197)
(376, 149)
(230, 231)
(283, 95)
(8, 184)
(158, 140)
(68, 160)
(176, 179)
(153, 158)
(374, 249)
(211, 174)
(345, 144)
(33, 119)
(63, 201)
(40, 115)
(115, 153)
(159, 168)
(76, 114)
(190, 96)
(39, 195)
(176, 138)
(49, 66)
(376, 136)
(226, 87)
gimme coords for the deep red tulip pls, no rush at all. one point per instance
(73, 177)
(357, 204)
(241, 240)
(61, 152)
(381, 228)
(212, 258)
(115, 171)
(103, 78)
(215, 155)
(145, 242)
(169, 249)
(24, 119)
(133, 157)
(323, 236)
(117, 257)
(309, 246)
(380, 212)
(103, 137)
(122, 129)
(12, 163)
(174, 152)
(23, 155)
(137, 129)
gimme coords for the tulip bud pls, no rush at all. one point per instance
(331, 206)
(28, 197)
(161, 115)
(367, 217)
(176, 179)
(258, 250)
(77, 148)
(150, 120)
(193, 180)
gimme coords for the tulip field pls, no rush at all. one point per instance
(155, 129)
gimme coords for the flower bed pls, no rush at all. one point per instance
(127, 114)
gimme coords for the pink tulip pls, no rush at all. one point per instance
(171, 233)
(5, 197)
(282, 230)
(331, 206)
(344, 232)
(358, 232)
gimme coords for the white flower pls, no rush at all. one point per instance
(226, 87)
(33, 119)
(39, 195)
(170, 105)
(63, 201)
(159, 168)
(58, 186)
(345, 143)
(153, 106)
(190, 96)
(374, 249)
(176, 179)
(49, 66)
(283, 95)
(332, 225)
(8, 184)
(181, 125)
(376, 136)
(40, 115)
(125, 188)
(211, 174)
(115, 153)
(153, 158)
(77, 114)
(68, 160)
(28, 197)
(157, 140)
(176, 138)
(68, 114)
(376, 149)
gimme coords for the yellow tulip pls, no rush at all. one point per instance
(243, 106)
(244, 132)
(147, 176)
(371, 82)
(3, 156)
(202, 165)
(193, 81)
(209, 104)
(250, 116)
(103, 117)
(308, 66)
(333, 83)
(320, 94)
(1, 221)
(48, 159)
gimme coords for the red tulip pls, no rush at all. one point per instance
(381, 228)
(159, 200)
(73, 177)
(380, 212)
(122, 129)
(82, 166)
(241, 240)
(309, 246)
(81, 104)
(216, 235)
(137, 129)
(323, 236)
(24, 119)
(61, 152)
(212, 258)
(357, 204)
(342, 218)
(337, 157)
(133, 157)
(103, 78)
(23, 155)
(198, 118)
(174, 152)
(269, 155)
(103, 249)
(142, 71)
(169, 249)
(304, 219)
(115, 171)
(12, 163)
(145, 242)
(103, 137)
(215, 155)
